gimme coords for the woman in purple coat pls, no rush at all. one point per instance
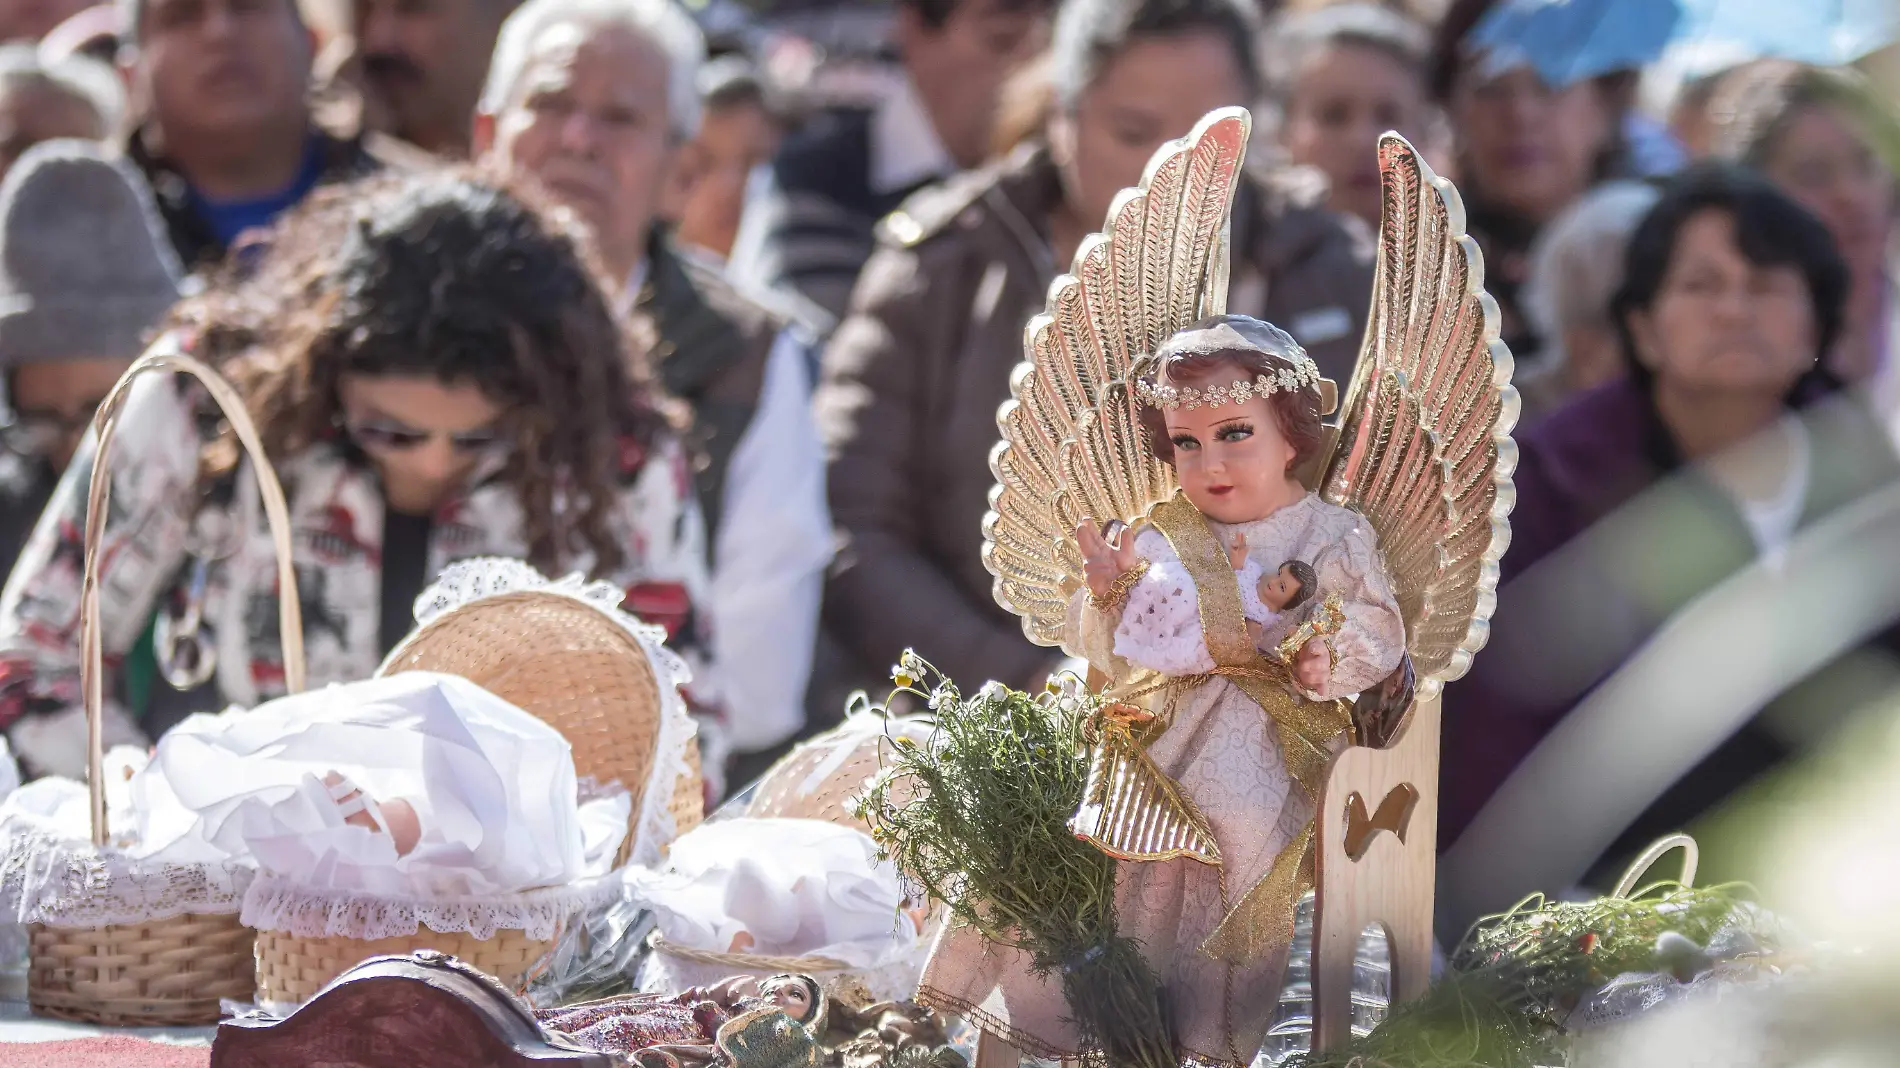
(1727, 440)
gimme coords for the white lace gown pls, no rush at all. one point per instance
(1223, 751)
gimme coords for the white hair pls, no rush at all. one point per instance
(1577, 263)
(663, 23)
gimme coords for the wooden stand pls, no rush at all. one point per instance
(1377, 828)
(420, 1011)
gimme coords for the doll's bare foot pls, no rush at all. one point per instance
(400, 821)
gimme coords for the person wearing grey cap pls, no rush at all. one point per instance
(84, 273)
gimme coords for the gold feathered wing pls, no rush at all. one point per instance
(1072, 444)
(1424, 446)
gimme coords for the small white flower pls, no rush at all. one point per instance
(992, 691)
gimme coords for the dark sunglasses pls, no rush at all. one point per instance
(394, 437)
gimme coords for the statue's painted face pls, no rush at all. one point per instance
(792, 995)
(1231, 459)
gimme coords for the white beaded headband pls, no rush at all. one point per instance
(1303, 374)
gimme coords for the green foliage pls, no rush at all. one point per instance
(1509, 985)
(978, 818)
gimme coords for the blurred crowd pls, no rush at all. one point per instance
(717, 302)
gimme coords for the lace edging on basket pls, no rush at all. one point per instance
(58, 882)
(274, 904)
(467, 581)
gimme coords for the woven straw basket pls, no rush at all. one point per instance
(571, 666)
(172, 971)
(843, 759)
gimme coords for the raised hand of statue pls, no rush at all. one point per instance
(1103, 560)
(1237, 550)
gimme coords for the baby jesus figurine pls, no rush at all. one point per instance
(1203, 779)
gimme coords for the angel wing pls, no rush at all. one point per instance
(1424, 447)
(1072, 442)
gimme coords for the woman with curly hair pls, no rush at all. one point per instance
(436, 375)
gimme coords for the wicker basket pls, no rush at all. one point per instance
(817, 780)
(172, 971)
(292, 969)
(168, 973)
(569, 664)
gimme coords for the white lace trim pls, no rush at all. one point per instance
(63, 883)
(274, 904)
(472, 580)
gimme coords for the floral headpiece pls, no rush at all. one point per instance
(1303, 374)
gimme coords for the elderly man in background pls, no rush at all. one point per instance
(227, 139)
(598, 100)
(810, 228)
(41, 100)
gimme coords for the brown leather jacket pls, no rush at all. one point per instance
(914, 375)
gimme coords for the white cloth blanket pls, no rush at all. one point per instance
(782, 888)
(493, 788)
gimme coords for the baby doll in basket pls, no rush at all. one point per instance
(740, 1022)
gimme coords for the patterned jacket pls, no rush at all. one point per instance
(162, 518)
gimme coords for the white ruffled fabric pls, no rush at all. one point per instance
(1160, 628)
(794, 888)
(468, 581)
(493, 789)
(51, 873)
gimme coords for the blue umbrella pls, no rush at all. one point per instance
(1565, 41)
(1826, 33)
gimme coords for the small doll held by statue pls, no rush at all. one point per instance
(1268, 598)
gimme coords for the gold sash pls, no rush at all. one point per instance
(1262, 920)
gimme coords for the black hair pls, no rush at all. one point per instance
(1091, 33)
(1771, 229)
(1308, 579)
(453, 275)
(1448, 44)
(934, 13)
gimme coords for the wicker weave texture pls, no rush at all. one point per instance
(561, 660)
(292, 969)
(688, 804)
(167, 973)
(782, 792)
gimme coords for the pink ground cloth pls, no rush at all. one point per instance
(116, 1051)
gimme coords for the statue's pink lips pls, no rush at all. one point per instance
(1220, 490)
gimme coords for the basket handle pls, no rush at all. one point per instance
(1657, 849)
(165, 355)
